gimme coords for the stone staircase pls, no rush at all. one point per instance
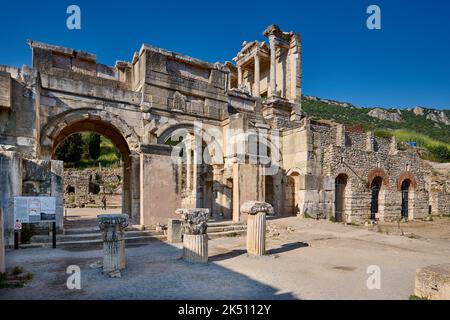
(91, 236)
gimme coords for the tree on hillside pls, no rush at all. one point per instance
(94, 146)
(71, 149)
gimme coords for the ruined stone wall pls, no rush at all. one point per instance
(17, 121)
(359, 166)
(440, 203)
(87, 187)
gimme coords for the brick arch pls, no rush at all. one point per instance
(405, 175)
(294, 171)
(377, 172)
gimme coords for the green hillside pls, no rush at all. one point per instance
(431, 135)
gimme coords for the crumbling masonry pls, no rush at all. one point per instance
(317, 170)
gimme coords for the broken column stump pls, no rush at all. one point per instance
(174, 232)
(256, 226)
(433, 282)
(195, 239)
(113, 234)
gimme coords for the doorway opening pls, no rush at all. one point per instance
(339, 197)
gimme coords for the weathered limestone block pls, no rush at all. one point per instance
(174, 232)
(433, 282)
(2, 244)
(256, 226)
(195, 239)
(113, 233)
(5, 90)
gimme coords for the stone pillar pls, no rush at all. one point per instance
(273, 66)
(257, 92)
(239, 75)
(256, 226)
(188, 165)
(2, 244)
(174, 232)
(113, 234)
(195, 239)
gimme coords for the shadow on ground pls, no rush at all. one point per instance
(154, 271)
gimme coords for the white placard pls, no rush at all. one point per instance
(34, 209)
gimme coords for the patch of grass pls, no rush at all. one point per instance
(232, 234)
(16, 278)
(307, 216)
(332, 219)
(414, 297)
(17, 270)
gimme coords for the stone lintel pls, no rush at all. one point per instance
(160, 149)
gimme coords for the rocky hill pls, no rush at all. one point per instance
(430, 128)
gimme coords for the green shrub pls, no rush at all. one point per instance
(94, 146)
(440, 153)
(17, 270)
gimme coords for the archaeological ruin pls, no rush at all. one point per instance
(194, 134)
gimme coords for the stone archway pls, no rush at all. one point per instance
(110, 126)
(406, 185)
(292, 192)
(377, 183)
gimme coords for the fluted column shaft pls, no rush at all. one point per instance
(195, 248)
(256, 234)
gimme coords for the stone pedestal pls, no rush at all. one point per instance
(174, 234)
(195, 248)
(256, 226)
(113, 233)
(433, 282)
(2, 244)
(195, 239)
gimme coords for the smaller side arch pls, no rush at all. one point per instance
(405, 175)
(378, 172)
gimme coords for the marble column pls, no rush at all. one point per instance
(256, 226)
(113, 227)
(273, 66)
(239, 75)
(257, 92)
(195, 239)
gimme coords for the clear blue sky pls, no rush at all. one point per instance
(406, 63)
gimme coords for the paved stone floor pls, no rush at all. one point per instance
(307, 259)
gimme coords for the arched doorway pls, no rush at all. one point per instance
(375, 188)
(118, 194)
(195, 172)
(340, 184)
(405, 198)
(292, 194)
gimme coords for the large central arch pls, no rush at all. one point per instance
(108, 125)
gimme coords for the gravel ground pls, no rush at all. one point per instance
(307, 259)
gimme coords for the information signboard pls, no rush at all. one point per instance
(34, 209)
